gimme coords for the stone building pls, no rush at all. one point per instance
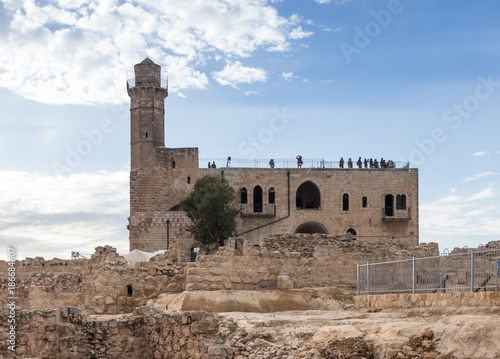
(372, 204)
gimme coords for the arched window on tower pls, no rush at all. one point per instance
(364, 202)
(272, 195)
(189, 180)
(173, 164)
(389, 205)
(244, 196)
(401, 201)
(345, 202)
(257, 199)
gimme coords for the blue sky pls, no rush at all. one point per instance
(413, 80)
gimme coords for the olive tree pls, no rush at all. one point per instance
(210, 209)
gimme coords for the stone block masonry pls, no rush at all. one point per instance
(146, 333)
(289, 261)
(428, 300)
(103, 284)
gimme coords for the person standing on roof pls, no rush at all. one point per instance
(299, 161)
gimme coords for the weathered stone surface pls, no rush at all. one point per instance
(147, 333)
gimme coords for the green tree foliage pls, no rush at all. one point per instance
(210, 208)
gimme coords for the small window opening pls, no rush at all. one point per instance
(129, 290)
(272, 194)
(189, 180)
(146, 135)
(364, 202)
(345, 202)
(244, 195)
(173, 164)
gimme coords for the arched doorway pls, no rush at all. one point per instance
(308, 196)
(311, 227)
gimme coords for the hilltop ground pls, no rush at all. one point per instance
(345, 332)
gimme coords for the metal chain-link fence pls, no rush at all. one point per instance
(469, 270)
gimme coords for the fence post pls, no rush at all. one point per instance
(358, 277)
(497, 269)
(472, 270)
(367, 278)
(413, 275)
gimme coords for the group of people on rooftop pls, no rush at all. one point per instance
(371, 163)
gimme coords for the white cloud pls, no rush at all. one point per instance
(288, 76)
(78, 51)
(480, 153)
(480, 175)
(249, 93)
(338, 2)
(476, 215)
(235, 73)
(328, 29)
(298, 33)
(51, 216)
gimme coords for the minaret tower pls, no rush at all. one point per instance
(147, 94)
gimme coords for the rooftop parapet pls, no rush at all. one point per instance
(291, 163)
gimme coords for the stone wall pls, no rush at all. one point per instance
(40, 281)
(435, 300)
(111, 286)
(106, 284)
(103, 284)
(313, 261)
(145, 333)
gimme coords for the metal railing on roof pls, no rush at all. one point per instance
(287, 163)
(148, 81)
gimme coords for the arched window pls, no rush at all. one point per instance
(244, 195)
(257, 199)
(146, 135)
(364, 202)
(308, 196)
(389, 205)
(173, 164)
(401, 201)
(345, 202)
(272, 195)
(189, 180)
